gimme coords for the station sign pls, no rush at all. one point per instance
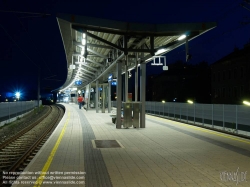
(78, 83)
(110, 77)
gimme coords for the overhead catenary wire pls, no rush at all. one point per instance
(32, 15)
(34, 45)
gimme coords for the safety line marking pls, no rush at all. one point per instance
(40, 179)
(204, 130)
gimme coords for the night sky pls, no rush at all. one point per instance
(29, 42)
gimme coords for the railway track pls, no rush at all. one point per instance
(19, 150)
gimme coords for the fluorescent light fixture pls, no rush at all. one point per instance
(182, 37)
(129, 74)
(131, 68)
(83, 35)
(189, 101)
(72, 66)
(83, 41)
(160, 51)
(146, 60)
(82, 52)
(246, 103)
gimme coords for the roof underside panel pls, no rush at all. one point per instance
(109, 41)
(65, 29)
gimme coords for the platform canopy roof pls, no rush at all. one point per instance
(95, 45)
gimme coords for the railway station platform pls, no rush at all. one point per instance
(86, 149)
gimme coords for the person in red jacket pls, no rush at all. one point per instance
(80, 100)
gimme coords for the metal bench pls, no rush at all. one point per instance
(113, 116)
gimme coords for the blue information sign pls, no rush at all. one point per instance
(78, 82)
(110, 77)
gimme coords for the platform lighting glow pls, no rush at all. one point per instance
(82, 52)
(65, 99)
(246, 103)
(160, 51)
(83, 41)
(129, 75)
(73, 81)
(163, 101)
(189, 101)
(131, 68)
(182, 37)
(146, 61)
(17, 94)
(83, 35)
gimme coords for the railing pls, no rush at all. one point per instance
(11, 110)
(230, 118)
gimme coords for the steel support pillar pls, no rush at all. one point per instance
(88, 106)
(119, 95)
(142, 94)
(187, 50)
(136, 78)
(97, 96)
(38, 88)
(126, 80)
(103, 98)
(109, 97)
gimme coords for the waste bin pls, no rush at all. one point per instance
(127, 114)
(136, 114)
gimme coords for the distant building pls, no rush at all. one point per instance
(231, 77)
(150, 87)
(182, 82)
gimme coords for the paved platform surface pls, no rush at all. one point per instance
(165, 153)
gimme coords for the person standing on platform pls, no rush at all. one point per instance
(80, 100)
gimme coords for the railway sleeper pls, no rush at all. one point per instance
(6, 158)
(17, 146)
(6, 163)
(4, 167)
(25, 164)
(19, 142)
(15, 149)
(22, 168)
(14, 154)
(22, 145)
